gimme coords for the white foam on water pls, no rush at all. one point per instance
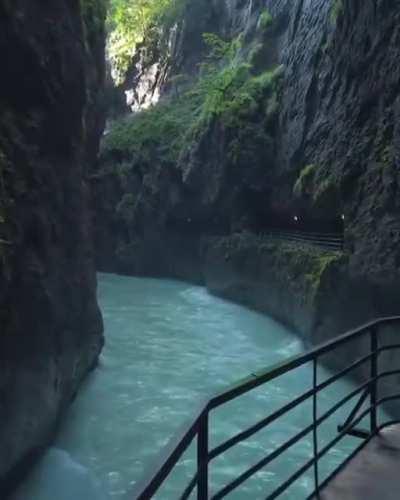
(59, 477)
(170, 345)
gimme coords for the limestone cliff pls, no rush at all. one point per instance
(299, 117)
(51, 327)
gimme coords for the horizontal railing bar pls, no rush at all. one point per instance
(343, 433)
(270, 418)
(262, 463)
(309, 237)
(388, 373)
(170, 456)
(339, 468)
(386, 399)
(260, 378)
(388, 348)
(298, 231)
(189, 488)
(319, 455)
(222, 448)
(284, 486)
(326, 244)
(293, 440)
(343, 372)
(305, 234)
(389, 423)
(305, 238)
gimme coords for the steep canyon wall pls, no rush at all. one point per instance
(51, 326)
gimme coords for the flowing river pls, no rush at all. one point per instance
(169, 346)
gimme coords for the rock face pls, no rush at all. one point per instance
(51, 326)
(320, 142)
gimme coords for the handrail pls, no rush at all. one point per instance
(198, 427)
(333, 241)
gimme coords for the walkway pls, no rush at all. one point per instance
(373, 474)
(329, 241)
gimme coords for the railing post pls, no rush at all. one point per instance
(202, 457)
(374, 381)
(315, 430)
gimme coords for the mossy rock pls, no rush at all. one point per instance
(337, 10)
(322, 264)
(265, 20)
(304, 185)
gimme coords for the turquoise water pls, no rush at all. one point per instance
(170, 345)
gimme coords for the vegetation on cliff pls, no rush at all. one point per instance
(228, 90)
(337, 10)
(228, 93)
(131, 21)
(231, 95)
(317, 187)
(308, 268)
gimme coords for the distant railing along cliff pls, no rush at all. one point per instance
(331, 241)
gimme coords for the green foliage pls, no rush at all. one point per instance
(255, 53)
(219, 88)
(231, 91)
(306, 267)
(226, 90)
(130, 21)
(230, 94)
(337, 10)
(305, 181)
(325, 192)
(158, 132)
(386, 156)
(272, 109)
(266, 20)
(222, 49)
(319, 267)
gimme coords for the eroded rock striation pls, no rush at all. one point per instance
(298, 118)
(51, 326)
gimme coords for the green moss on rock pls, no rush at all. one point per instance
(337, 10)
(159, 132)
(320, 265)
(266, 20)
(229, 93)
(304, 183)
(302, 268)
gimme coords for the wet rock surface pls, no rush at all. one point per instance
(51, 326)
(323, 146)
(336, 118)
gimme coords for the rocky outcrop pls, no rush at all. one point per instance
(51, 327)
(321, 143)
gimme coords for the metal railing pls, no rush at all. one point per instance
(330, 241)
(198, 429)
